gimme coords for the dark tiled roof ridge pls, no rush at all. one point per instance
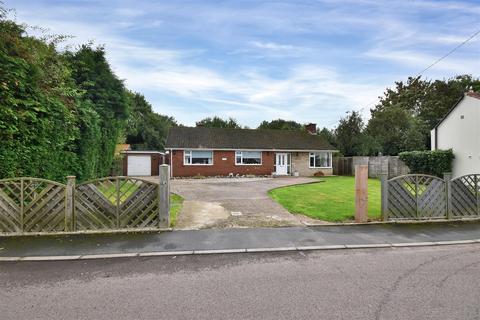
(230, 138)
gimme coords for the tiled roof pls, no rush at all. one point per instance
(474, 94)
(258, 139)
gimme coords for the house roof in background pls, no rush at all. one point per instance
(238, 139)
(121, 147)
(471, 94)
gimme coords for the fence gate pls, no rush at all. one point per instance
(414, 196)
(117, 203)
(32, 205)
(465, 196)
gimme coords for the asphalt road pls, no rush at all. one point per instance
(401, 283)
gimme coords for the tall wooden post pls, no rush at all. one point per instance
(384, 196)
(69, 203)
(164, 196)
(448, 193)
(361, 193)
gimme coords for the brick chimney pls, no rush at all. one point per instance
(311, 128)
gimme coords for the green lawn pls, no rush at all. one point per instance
(330, 200)
(127, 188)
(176, 202)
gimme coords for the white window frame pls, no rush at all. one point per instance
(190, 154)
(312, 155)
(240, 152)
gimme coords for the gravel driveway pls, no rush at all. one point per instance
(224, 203)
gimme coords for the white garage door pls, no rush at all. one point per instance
(139, 165)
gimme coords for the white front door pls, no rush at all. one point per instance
(281, 164)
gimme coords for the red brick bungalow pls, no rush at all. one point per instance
(222, 152)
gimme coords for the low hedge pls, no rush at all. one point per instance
(435, 162)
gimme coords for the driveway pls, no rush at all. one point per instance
(224, 203)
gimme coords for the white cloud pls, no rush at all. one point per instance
(272, 46)
(292, 60)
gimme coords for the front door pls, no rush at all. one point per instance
(281, 164)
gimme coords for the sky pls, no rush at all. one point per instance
(308, 61)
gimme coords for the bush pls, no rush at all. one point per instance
(435, 162)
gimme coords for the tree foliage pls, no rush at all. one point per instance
(62, 113)
(281, 124)
(349, 133)
(146, 130)
(38, 107)
(106, 95)
(403, 118)
(217, 122)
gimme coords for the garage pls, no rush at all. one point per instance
(142, 163)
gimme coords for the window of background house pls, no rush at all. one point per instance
(320, 160)
(248, 157)
(198, 157)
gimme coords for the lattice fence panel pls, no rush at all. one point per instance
(32, 205)
(465, 196)
(116, 203)
(10, 206)
(416, 197)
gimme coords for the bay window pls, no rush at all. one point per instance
(248, 157)
(320, 159)
(197, 157)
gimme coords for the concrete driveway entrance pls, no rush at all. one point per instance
(237, 202)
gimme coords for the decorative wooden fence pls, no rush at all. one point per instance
(424, 197)
(465, 196)
(31, 205)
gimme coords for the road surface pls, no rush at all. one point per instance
(400, 283)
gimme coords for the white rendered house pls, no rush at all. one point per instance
(459, 130)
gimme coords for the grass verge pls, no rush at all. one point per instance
(331, 200)
(176, 203)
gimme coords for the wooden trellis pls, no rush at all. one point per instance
(414, 197)
(464, 199)
(116, 203)
(32, 206)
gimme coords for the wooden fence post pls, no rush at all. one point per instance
(448, 193)
(384, 192)
(361, 193)
(69, 203)
(164, 196)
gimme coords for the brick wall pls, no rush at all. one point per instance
(223, 165)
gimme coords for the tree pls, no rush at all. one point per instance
(146, 130)
(403, 118)
(38, 107)
(349, 133)
(217, 122)
(107, 97)
(328, 135)
(281, 124)
(394, 130)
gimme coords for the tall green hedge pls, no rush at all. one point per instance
(435, 162)
(61, 113)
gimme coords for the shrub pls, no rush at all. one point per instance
(435, 162)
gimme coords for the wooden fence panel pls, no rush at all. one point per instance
(33, 206)
(116, 203)
(415, 196)
(30, 205)
(465, 196)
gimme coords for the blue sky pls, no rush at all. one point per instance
(308, 61)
